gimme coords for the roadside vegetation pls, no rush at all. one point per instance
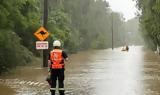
(150, 21)
(79, 24)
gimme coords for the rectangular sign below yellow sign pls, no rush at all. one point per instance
(42, 45)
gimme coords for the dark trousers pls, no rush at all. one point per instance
(57, 74)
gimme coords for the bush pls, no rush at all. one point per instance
(12, 53)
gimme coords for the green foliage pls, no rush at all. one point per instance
(58, 25)
(79, 24)
(93, 21)
(12, 53)
(133, 33)
(18, 20)
(150, 21)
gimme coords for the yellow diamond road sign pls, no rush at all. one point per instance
(41, 34)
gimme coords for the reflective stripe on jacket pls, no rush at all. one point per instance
(56, 59)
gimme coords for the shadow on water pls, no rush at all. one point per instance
(96, 72)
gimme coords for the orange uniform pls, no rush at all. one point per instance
(56, 59)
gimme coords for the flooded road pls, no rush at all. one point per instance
(100, 72)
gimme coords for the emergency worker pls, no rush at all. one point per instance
(127, 48)
(57, 58)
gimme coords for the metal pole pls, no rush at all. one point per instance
(45, 19)
(112, 33)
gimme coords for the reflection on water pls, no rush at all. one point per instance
(100, 72)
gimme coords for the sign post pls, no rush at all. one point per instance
(45, 20)
(42, 34)
(112, 31)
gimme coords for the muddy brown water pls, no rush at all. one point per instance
(96, 72)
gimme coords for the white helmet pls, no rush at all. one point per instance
(57, 43)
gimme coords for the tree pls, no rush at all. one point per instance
(149, 19)
(12, 52)
(16, 18)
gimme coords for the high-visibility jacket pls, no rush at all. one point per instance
(56, 59)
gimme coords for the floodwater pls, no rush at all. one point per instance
(98, 72)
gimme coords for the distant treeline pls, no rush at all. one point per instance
(79, 24)
(150, 21)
